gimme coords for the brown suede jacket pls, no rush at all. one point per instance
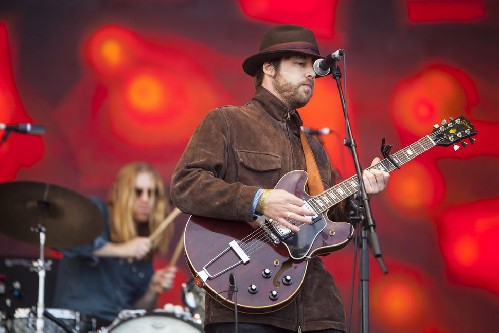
(233, 152)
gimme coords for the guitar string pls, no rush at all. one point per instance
(262, 235)
(346, 187)
(250, 243)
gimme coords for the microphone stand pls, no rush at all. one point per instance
(366, 220)
(5, 136)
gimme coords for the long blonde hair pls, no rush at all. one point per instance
(121, 202)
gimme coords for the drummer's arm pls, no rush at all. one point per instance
(147, 301)
(162, 280)
(136, 248)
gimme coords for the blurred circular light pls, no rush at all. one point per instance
(111, 51)
(399, 301)
(415, 189)
(465, 250)
(146, 93)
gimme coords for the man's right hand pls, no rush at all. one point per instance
(283, 207)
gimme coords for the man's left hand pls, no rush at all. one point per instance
(375, 180)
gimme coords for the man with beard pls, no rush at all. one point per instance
(235, 159)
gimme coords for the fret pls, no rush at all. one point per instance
(325, 198)
(320, 203)
(335, 194)
(330, 195)
(352, 186)
(346, 189)
(312, 202)
(386, 165)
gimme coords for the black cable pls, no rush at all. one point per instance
(57, 321)
(233, 285)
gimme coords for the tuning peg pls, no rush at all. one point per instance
(436, 126)
(464, 144)
(456, 147)
(451, 118)
(444, 122)
(472, 140)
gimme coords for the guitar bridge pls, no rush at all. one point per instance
(204, 275)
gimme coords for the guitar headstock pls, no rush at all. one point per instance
(454, 131)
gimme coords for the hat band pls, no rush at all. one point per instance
(292, 46)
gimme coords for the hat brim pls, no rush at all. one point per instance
(253, 63)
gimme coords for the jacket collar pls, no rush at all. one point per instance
(276, 108)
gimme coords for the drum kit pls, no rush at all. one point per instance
(52, 216)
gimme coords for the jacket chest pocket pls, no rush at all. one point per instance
(258, 168)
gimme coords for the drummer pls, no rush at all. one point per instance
(115, 272)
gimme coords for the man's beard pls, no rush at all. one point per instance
(290, 93)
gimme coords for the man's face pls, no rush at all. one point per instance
(145, 197)
(294, 81)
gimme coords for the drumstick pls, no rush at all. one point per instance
(169, 219)
(178, 250)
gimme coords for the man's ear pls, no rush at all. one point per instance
(268, 68)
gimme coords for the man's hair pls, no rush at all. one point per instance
(121, 201)
(259, 73)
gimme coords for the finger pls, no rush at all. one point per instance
(376, 160)
(289, 198)
(369, 179)
(288, 225)
(299, 218)
(304, 211)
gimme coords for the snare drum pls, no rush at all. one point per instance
(24, 321)
(173, 318)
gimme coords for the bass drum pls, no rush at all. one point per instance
(173, 318)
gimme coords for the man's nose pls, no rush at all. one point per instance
(310, 72)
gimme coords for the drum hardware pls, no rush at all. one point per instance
(30, 207)
(57, 321)
(40, 266)
(193, 298)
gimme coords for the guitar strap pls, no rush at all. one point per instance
(315, 185)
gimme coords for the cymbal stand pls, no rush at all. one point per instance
(40, 266)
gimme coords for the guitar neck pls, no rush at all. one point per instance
(346, 188)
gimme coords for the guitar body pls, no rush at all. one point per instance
(274, 272)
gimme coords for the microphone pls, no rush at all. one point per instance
(314, 131)
(24, 128)
(322, 67)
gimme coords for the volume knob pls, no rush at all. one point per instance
(287, 280)
(266, 273)
(253, 289)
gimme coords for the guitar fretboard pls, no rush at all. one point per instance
(346, 188)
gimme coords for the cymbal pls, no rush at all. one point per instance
(69, 218)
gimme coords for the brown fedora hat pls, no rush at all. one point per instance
(282, 40)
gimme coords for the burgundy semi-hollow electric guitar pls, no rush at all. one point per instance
(268, 263)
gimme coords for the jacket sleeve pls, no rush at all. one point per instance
(198, 186)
